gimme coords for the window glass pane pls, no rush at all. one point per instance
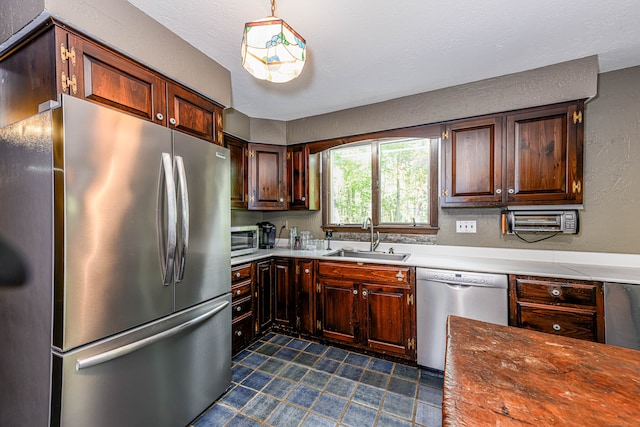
(350, 184)
(404, 181)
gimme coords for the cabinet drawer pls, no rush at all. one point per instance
(241, 308)
(240, 273)
(242, 332)
(241, 290)
(556, 292)
(568, 322)
(367, 273)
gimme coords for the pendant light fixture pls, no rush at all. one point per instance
(272, 50)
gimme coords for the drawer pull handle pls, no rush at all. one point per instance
(239, 333)
(556, 292)
(556, 327)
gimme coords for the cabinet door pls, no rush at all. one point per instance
(191, 113)
(387, 319)
(472, 163)
(285, 301)
(238, 164)
(305, 285)
(267, 177)
(544, 154)
(337, 310)
(303, 178)
(265, 291)
(107, 78)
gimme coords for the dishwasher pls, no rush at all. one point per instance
(439, 293)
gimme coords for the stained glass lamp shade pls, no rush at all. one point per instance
(272, 50)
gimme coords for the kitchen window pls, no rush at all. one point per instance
(392, 180)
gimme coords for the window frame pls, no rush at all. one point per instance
(424, 131)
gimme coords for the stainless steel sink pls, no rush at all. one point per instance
(369, 255)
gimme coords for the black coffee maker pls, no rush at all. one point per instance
(267, 235)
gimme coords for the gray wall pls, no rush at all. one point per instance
(15, 14)
(609, 221)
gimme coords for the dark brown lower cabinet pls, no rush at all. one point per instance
(305, 289)
(367, 306)
(242, 313)
(265, 294)
(571, 308)
(284, 295)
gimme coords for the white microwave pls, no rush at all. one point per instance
(244, 240)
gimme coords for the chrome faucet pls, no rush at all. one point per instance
(374, 244)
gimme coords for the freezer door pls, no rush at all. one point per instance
(163, 374)
(109, 194)
(203, 269)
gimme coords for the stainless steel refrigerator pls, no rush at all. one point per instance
(124, 319)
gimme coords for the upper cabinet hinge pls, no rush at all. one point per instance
(577, 117)
(69, 83)
(577, 187)
(410, 299)
(445, 134)
(252, 153)
(288, 155)
(318, 288)
(67, 54)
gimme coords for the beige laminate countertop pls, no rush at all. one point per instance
(605, 267)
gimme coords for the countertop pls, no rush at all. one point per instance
(505, 376)
(605, 267)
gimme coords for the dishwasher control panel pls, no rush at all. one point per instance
(463, 278)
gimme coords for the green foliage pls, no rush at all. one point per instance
(404, 182)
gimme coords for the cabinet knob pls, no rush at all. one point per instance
(511, 191)
(364, 294)
(306, 271)
(304, 199)
(498, 190)
(159, 116)
(556, 292)
(238, 309)
(238, 292)
(172, 121)
(237, 274)
(355, 292)
(239, 333)
(400, 276)
(556, 327)
(281, 200)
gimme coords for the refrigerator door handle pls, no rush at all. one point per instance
(107, 356)
(170, 249)
(184, 198)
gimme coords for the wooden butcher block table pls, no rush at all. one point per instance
(505, 376)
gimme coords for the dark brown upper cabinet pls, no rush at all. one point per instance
(531, 156)
(239, 163)
(472, 171)
(303, 178)
(267, 177)
(56, 60)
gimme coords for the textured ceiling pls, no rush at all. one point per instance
(365, 51)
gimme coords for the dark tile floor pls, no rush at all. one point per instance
(282, 381)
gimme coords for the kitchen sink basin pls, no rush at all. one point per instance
(369, 255)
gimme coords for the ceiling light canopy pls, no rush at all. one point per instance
(272, 50)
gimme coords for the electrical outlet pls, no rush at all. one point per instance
(465, 226)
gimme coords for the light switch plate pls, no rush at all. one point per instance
(465, 226)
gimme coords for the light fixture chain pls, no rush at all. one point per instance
(273, 7)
